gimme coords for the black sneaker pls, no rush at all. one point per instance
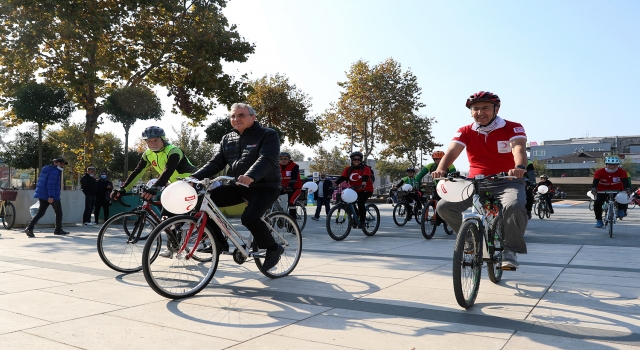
(60, 233)
(29, 232)
(272, 258)
(315, 218)
(361, 225)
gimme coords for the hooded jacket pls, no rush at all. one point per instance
(48, 183)
(253, 153)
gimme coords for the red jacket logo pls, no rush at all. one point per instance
(154, 163)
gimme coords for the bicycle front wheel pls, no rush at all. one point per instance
(467, 264)
(339, 222)
(301, 215)
(547, 212)
(178, 275)
(119, 245)
(428, 224)
(541, 210)
(401, 214)
(494, 267)
(9, 217)
(372, 221)
(610, 219)
(286, 234)
(591, 205)
(535, 208)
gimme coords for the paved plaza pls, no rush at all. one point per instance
(576, 289)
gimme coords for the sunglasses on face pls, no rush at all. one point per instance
(356, 159)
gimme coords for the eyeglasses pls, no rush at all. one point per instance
(284, 158)
(356, 160)
(484, 109)
(239, 116)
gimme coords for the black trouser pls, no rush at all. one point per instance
(102, 205)
(57, 207)
(529, 205)
(89, 204)
(260, 199)
(597, 205)
(361, 211)
(547, 197)
(326, 201)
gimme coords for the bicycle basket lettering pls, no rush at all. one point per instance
(190, 198)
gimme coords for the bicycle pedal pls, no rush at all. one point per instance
(507, 268)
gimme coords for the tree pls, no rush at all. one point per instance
(539, 166)
(413, 141)
(296, 155)
(375, 107)
(329, 161)
(198, 151)
(626, 164)
(92, 47)
(22, 152)
(129, 104)
(394, 168)
(281, 106)
(43, 105)
(216, 130)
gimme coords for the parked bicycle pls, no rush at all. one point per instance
(407, 206)
(542, 209)
(123, 236)
(194, 254)
(342, 216)
(430, 219)
(485, 221)
(7, 209)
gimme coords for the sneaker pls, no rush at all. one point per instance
(89, 224)
(509, 259)
(315, 218)
(272, 258)
(168, 254)
(29, 232)
(599, 224)
(60, 232)
(551, 211)
(529, 215)
(620, 213)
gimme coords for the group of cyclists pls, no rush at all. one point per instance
(251, 151)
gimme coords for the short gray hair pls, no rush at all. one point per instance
(243, 105)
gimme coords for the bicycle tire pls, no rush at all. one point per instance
(401, 213)
(610, 219)
(339, 222)
(535, 208)
(632, 204)
(114, 246)
(179, 277)
(417, 214)
(494, 267)
(448, 230)
(428, 222)
(591, 204)
(372, 220)
(548, 212)
(290, 238)
(467, 268)
(541, 210)
(9, 215)
(301, 216)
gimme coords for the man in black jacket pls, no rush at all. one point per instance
(323, 196)
(251, 151)
(89, 186)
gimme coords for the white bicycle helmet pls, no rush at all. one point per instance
(349, 195)
(179, 198)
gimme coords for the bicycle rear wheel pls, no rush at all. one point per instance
(372, 220)
(288, 236)
(535, 208)
(401, 213)
(9, 217)
(547, 212)
(417, 214)
(339, 222)
(180, 276)
(301, 216)
(117, 245)
(496, 230)
(428, 222)
(467, 264)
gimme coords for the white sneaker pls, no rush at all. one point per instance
(166, 254)
(89, 224)
(509, 259)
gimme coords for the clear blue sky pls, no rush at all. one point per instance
(562, 68)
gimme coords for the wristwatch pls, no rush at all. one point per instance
(521, 167)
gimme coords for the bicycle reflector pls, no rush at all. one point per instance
(310, 186)
(542, 189)
(455, 191)
(349, 195)
(622, 198)
(407, 187)
(179, 198)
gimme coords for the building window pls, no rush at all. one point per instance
(538, 152)
(599, 149)
(549, 161)
(560, 160)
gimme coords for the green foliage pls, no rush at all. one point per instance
(216, 130)
(539, 166)
(22, 151)
(281, 106)
(198, 151)
(296, 155)
(330, 162)
(394, 168)
(413, 141)
(377, 106)
(132, 103)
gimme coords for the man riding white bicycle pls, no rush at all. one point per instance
(494, 145)
(610, 178)
(251, 152)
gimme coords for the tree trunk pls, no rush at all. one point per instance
(126, 152)
(91, 124)
(39, 145)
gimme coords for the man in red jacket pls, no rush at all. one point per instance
(291, 183)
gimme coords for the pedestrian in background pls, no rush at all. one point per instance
(323, 196)
(48, 193)
(89, 186)
(103, 196)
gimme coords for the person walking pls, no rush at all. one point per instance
(103, 199)
(322, 196)
(89, 186)
(48, 193)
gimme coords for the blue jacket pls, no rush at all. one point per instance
(48, 183)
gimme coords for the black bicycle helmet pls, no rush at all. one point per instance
(411, 169)
(483, 96)
(285, 154)
(153, 131)
(356, 154)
